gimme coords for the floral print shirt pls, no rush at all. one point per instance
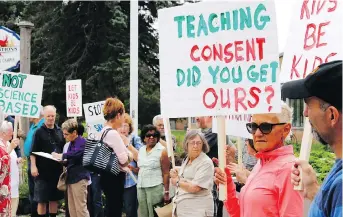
(5, 189)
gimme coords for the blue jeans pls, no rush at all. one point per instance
(130, 201)
(96, 196)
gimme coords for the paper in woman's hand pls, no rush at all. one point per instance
(46, 155)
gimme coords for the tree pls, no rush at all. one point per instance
(90, 40)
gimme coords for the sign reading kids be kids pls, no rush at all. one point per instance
(218, 58)
(74, 98)
(315, 37)
(20, 94)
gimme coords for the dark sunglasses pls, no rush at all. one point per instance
(265, 128)
(151, 135)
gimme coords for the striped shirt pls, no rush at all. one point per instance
(328, 201)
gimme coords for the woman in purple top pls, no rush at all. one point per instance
(77, 175)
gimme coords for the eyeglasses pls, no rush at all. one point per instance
(151, 135)
(265, 128)
(195, 143)
(66, 134)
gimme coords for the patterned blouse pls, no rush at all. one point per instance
(5, 189)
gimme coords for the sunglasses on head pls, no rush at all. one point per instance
(154, 135)
(265, 128)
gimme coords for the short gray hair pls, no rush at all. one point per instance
(286, 113)
(49, 107)
(6, 126)
(70, 125)
(191, 135)
(156, 118)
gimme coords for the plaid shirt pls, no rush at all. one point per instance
(137, 143)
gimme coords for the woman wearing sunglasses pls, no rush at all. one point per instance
(153, 175)
(268, 190)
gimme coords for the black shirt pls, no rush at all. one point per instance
(212, 140)
(48, 141)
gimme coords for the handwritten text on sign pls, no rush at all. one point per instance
(315, 37)
(93, 111)
(20, 94)
(220, 59)
(94, 118)
(74, 98)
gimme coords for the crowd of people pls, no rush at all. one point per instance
(265, 181)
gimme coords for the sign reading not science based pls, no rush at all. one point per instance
(21, 94)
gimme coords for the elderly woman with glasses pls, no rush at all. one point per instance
(268, 190)
(194, 181)
(153, 175)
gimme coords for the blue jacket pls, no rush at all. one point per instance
(29, 137)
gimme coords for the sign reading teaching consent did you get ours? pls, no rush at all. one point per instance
(20, 94)
(221, 58)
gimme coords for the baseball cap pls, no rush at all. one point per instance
(325, 83)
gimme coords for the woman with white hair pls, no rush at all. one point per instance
(9, 171)
(194, 181)
(268, 190)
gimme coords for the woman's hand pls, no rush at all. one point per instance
(14, 143)
(240, 171)
(219, 176)
(125, 139)
(174, 173)
(166, 197)
(56, 155)
(174, 180)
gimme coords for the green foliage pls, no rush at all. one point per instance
(90, 40)
(24, 185)
(321, 159)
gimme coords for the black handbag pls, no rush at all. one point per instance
(99, 157)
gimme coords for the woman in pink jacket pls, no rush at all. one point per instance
(268, 191)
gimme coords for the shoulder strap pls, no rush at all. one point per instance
(104, 134)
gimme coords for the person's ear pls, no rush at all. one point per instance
(286, 130)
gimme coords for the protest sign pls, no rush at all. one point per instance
(9, 49)
(94, 129)
(315, 37)
(94, 118)
(93, 111)
(235, 125)
(21, 94)
(74, 98)
(219, 58)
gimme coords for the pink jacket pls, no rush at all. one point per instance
(268, 191)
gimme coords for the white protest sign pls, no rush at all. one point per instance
(219, 58)
(21, 94)
(93, 111)
(9, 49)
(94, 118)
(74, 98)
(315, 37)
(94, 129)
(235, 125)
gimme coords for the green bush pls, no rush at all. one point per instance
(321, 159)
(24, 184)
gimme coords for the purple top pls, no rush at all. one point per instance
(75, 171)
